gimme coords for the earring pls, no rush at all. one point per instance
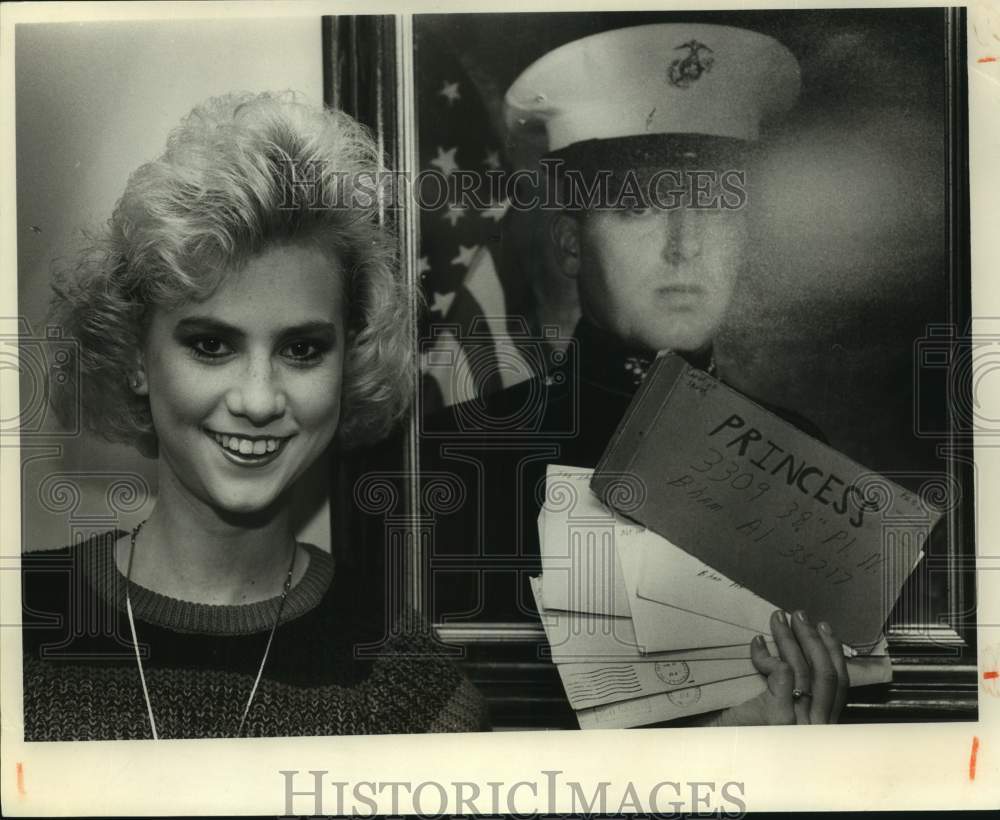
(135, 382)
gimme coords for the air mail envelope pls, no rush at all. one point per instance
(579, 637)
(664, 706)
(592, 684)
(660, 628)
(709, 697)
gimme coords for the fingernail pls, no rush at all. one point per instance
(781, 615)
(758, 640)
(801, 615)
(825, 628)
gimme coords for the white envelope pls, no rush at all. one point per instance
(673, 577)
(580, 539)
(577, 535)
(661, 628)
(580, 637)
(868, 669)
(582, 643)
(669, 575)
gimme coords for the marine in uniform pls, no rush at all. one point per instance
(648, 130)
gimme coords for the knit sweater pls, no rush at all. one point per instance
(333, 667)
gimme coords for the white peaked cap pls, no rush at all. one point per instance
(666, 78)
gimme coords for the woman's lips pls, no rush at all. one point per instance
(249, 451)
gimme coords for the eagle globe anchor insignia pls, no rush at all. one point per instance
(685, 70)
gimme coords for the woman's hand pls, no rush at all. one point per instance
(806, 683)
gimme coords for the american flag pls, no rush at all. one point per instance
(468, 339)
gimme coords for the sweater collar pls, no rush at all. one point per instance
(185, 616)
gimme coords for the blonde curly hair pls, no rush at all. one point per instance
(240, 173)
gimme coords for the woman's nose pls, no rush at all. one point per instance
(683, 233)
(259, 395)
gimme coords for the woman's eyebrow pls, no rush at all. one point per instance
(318, 326)
(209, 324)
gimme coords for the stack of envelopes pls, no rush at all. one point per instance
(640, 630)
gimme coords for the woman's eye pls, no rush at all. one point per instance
(209, 347)
(302, 351)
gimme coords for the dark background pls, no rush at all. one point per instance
(848, 262)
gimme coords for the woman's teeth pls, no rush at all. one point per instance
(246, 446)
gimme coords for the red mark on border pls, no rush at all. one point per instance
(972, 758)
(986, 60)
(20, 779)
(991, 675)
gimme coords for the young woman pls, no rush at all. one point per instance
(239, 313)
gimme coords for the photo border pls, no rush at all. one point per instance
(921, 766)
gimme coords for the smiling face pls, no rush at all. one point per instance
(244, 387)
(660, 279)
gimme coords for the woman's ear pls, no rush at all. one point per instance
(564, 234)
(137, 379)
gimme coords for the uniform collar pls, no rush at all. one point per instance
(605, 360)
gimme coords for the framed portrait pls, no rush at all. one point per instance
(854, 281)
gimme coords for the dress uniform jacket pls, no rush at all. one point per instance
(491, 455)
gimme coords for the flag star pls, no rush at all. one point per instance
(492, 159)
(465, 255)
(442, 302)
(450, 92)
(445, 160)
(495, 211)
(455, 213)
(423, 266)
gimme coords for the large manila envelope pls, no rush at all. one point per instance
(799, 523)
(592, 684)
(580, 637)
(660, 628)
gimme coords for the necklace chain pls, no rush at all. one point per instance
(135, 638)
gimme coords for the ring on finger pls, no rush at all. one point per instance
(798, 694)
